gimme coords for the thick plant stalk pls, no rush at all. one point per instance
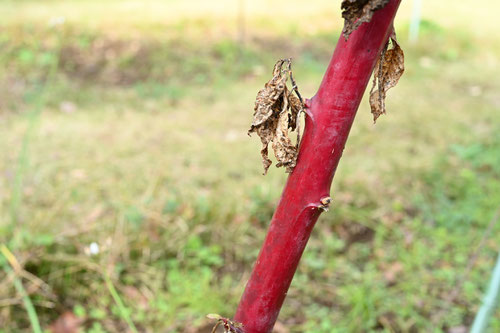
(329, 118)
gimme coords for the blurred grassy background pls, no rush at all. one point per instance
(131, 197)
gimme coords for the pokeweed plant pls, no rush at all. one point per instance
(312, 160)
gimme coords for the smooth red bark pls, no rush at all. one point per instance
(329, 118)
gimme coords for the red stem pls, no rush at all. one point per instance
(329, 118)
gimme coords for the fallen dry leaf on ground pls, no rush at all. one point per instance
(392, 272)
(68, 322)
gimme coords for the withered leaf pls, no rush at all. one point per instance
(284, 150)
(295, 108)
(228, 325)
(268, 97)
(388, 70)
(355, 12)
(276, 112)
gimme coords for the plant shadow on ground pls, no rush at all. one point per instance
(131, 198)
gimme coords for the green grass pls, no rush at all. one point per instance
(129, 131)
(30, 309)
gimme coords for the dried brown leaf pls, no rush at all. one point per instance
(355, 12)
(295, 109)
(284, 150)
(228, 325)
(268, 97)
(276, 112)
(388, 70)
(392, 272)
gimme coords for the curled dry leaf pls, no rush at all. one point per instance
(355, 12)
(388, 70)
(228, 325)
(276, 112)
